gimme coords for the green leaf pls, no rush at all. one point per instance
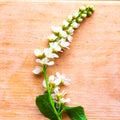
(45, 107)
(75, 113)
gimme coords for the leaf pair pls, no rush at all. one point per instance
(45, 107)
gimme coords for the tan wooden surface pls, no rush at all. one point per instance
(92, 63)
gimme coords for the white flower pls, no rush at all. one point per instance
(75, 24)
(75, 15)
(45, 61)
(58, 97)
(49, 53)
(62, 78)
(56, 29)
(50, 81)
(63, 34)
(70, 30)
(44, 84)
(52, 37)
(38, 53)
(64, 43)
(65, 23)
(55, 46)
(69, 38)
(53, 80)
(37, 70)
(70, 18)
(63, 100)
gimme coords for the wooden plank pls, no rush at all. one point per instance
(92, 63)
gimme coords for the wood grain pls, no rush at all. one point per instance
(92, 63)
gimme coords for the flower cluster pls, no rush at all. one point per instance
(54, 84)
(60, 38)
(52, 102)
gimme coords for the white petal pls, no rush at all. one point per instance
(75, 15)
(55, 55)
(63, 34)
(43, 61)
(52, 37)
(37, 70)
(69, 38)
(56, 29)
(57, 81)
(70, 18)
(56, 90)
(55, 46)
(70, 30)
(44, 84)
(75, 24)
(51, 78)
(38, 60)
(67, 100)
(64, 43)
(65, 23)
(50, 63)
(63, 100)
(48, 52)
(66, 82)
(53, 28)
(58, 74)
(37, 52)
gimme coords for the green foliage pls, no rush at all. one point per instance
(75, 113)
(45, 107)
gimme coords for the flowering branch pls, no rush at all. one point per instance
(52, 102)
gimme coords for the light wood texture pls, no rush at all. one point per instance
(92, 63)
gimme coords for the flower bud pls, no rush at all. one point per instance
(89, 13)
(70, 30)
(75, 25)
(70, 18)
(63, 34)
(82, 8)
(52, 38)
(75, 15)
(91, 7)
(65, 24)
(83, 15)
(79, 20)
(38, 53)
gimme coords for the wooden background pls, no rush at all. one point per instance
(92, 63)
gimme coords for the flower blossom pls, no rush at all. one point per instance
(49, 53)
(64, 43)
(59, 97)
(52, 37)
(55, 46)
(45, 61)
(38, 52)
(37, 70)
(56, 30)
(65, 24)
(62, 78)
